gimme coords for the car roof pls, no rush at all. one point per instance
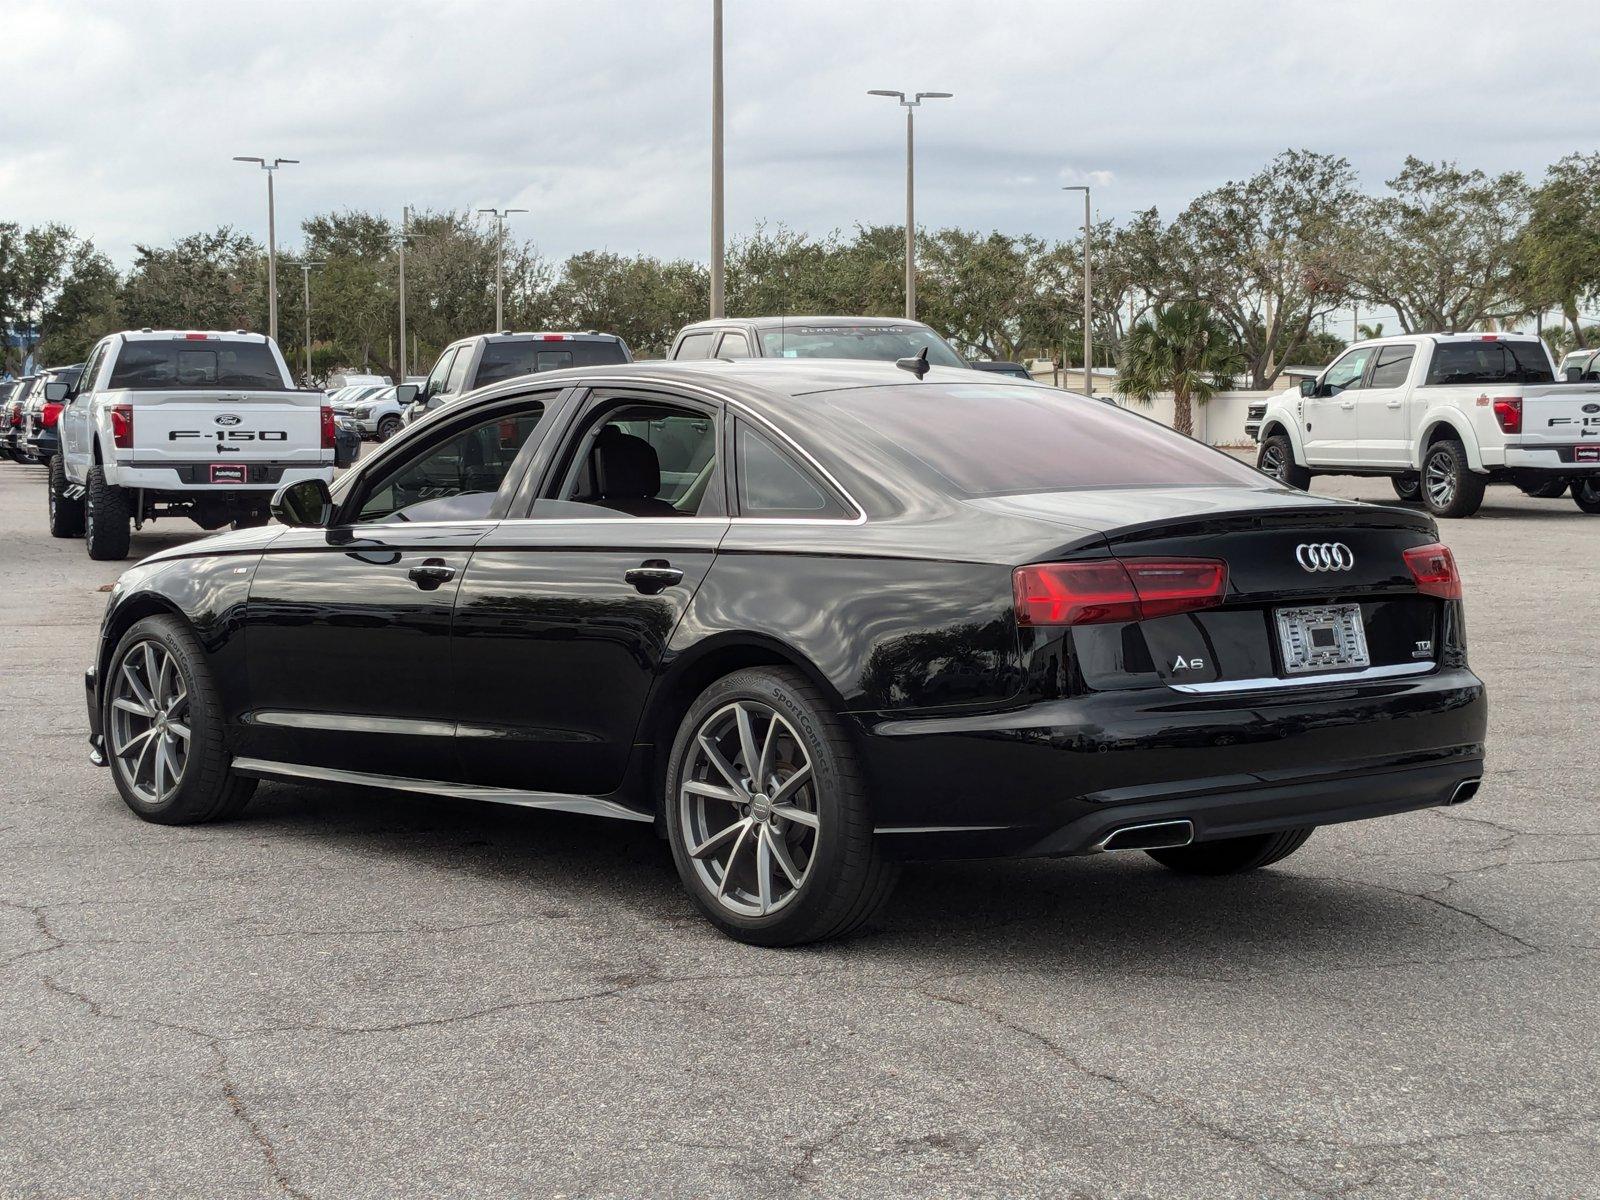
(156, 335)
(793, 322)
(522, 335)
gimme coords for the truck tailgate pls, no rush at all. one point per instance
(183, 427)
(1559, 414)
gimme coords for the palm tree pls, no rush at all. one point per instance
(1368, 332)
(1183, 349)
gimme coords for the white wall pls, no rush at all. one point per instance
(1219, 422)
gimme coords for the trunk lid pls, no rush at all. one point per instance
(182, 426)
(1558, 414)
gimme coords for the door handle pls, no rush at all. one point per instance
(653, 575)
(1392, 404)
(431, 573)
(1347, 404)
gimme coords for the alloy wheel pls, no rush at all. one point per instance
(149, 719)
(748, 808)
(1272, 462)
(1440, 480)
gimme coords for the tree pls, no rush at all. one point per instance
(1184, 349)
(85, 307)
(203, 281)
(642, 299)
(995, 294)
(1559, 250)
(1441, 249)
(1261, 253)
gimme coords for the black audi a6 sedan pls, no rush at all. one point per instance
(810, 619)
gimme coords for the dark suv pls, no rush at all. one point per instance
(474, 362)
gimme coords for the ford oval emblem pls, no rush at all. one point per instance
(1591, 408)
(228, 419)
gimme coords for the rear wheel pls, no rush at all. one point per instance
(66, 512)
(1550, 489)
(387, 428)
(1408, 486)
(1231, 856)
(767, 813)
(1587, 494)
(106, 529)
(163, 728)
(1450, 488)
(1277, 460)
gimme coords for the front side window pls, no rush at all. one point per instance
(695, 345)
(196, 363)
(734, 345)
(1392, 367)
(456, 478)
(455, 382)
(772, 484)
(1347, 372)
(91, 369)
(646, 459)
(440, 372)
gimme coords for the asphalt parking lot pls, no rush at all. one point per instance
(359, 994)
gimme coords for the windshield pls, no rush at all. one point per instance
(193, 363)
(883, 343)
(990, 439)
(1480, 362)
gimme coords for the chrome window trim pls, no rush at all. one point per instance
(1223, 686)
(594, 806)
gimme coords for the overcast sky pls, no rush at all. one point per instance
(120, 119)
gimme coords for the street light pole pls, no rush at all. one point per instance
(405, 219)
(500, 215)
(1088, 306)
(272, 238)
(305, 274)
(911, 215)
(716, 159)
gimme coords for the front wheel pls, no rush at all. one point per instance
(1586, 492)
(1450, 487)
(1408, 486)
(66, 510)
(766, 811)
(106, 521)
(388, 427)
(1277, 460)
(1231, 856)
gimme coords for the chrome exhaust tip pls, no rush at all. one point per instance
(1465, 791)
(1156, 835)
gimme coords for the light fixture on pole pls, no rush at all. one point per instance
(500, 215)
(911, 216)
(1088, 307)
(305, 275)
(716, 159)
(272, 238)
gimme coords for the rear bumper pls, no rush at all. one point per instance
(1558, 460)
(1057, 777)
(195, 477)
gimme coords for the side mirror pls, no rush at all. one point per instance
(1308, 387)
(305, 503)
(55, 393)
(405, 393)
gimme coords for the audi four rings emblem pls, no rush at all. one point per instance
(1324, 556)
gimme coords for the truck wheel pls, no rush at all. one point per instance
(1408, 486)
(1231, 856)
(1550, 489)
(1450, 488)
(1587, 493)
(388, 427)
(1277, 460)
(106, 523)
(66, 513)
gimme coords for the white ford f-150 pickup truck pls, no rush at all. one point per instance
(1443, 415)
(204, 425)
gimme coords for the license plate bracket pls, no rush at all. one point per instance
(1323, 637)
(1586, 454)
(228, 473)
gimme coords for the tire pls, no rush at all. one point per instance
(842, 878)
(1277, 460)
(66, 513)
(1232, 856)
(1586, 492)
(1450, 488)
(250, 520)
(388, 427)
(106, 529)
(1550, 489)
(1408, 486)
(207, 789)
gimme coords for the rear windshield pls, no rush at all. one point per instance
(883, 343)
(1490, 362)
(994, 439)
(246, 366)
(507, 360)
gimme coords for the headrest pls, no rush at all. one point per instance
(624, 466)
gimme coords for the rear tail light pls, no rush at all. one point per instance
(16, 416)
(1508, 411)
(328, 429)
(1434, 569)
(1114, 590)
(122, 426)
(49, 415)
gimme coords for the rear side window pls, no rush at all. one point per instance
(180, 363)
(771, 484)
(507, 360)
(1489, 362)
(1392, 367)
(695, 345)
(994, 439)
